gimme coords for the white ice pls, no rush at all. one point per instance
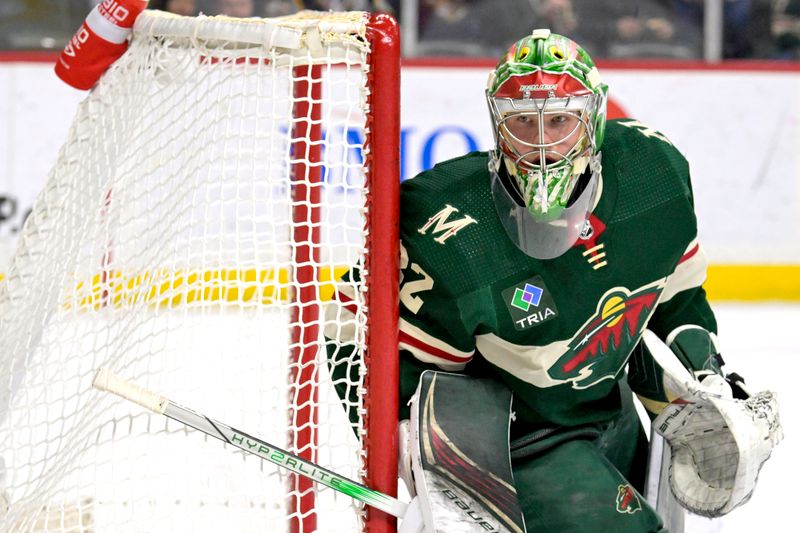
(761, 342)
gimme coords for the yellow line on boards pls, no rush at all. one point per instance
(753, 283)
(189, 288)
(264, 286)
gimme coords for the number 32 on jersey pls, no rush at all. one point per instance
(409, 289)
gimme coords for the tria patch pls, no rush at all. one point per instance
(529, 303)
(627, 500)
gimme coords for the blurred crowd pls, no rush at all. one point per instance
(265, 8)
(760, 29)
(757, 29)
(752, 29)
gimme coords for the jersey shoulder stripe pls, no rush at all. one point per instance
(689, 274)
(429, 349)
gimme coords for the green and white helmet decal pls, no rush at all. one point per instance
(548, 109)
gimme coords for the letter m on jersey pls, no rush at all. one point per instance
(443, 227)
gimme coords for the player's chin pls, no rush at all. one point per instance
(533, 161)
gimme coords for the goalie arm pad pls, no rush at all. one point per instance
(718, 443)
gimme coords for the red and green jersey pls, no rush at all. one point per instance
(559, 332)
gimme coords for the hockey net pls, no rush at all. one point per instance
(214, 186)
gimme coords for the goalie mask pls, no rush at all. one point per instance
(548, 110)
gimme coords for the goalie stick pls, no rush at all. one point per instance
(105, 380)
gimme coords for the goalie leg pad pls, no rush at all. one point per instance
(460, 454)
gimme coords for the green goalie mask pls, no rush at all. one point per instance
(548, 109)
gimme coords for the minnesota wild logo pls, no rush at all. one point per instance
(627, 500)
(614, 329)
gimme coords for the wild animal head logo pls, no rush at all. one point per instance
(627, 500)
(593, 353)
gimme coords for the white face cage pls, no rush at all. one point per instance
(537, 133)
(546, 145)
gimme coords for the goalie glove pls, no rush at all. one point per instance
(718, 443)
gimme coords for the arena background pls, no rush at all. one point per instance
(738, 125)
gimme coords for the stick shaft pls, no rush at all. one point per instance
(105, 380)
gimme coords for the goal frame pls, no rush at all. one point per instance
(104, 286)
(382, 161)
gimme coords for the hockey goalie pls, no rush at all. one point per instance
(544, 282)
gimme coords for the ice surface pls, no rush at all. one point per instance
(760, 341)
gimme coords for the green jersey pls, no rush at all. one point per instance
(559, 332)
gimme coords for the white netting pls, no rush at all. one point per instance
(162, 247)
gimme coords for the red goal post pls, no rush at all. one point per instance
(213, 188)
